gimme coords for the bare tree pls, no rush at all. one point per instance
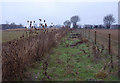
(12, 23)
(74, 20)
(67, 23)
(108, 20)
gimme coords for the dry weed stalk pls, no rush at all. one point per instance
(18, 54)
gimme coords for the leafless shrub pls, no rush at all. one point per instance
(19, 54)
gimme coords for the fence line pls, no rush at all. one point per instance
(98, 38)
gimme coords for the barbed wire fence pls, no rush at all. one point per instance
(103, 40)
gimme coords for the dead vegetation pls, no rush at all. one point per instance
(19, 54)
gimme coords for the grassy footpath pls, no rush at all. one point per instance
(68, 62)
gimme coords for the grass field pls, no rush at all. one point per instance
(9, 35)
(72, 63)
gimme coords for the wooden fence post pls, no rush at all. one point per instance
(109, 48)
(109, 45)
(95, 36)
(89, 34)
(85, 32)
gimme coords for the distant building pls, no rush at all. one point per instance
(115, 27)
(87, 26)
(58, 26)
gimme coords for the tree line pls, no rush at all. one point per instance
(108, 20)
(11, 26)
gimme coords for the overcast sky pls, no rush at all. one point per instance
(58, 12)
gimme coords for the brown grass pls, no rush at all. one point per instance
(102, 38)
(9, 35)
(105, 32)
(19, 54)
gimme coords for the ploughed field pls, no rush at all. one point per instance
(102, 37)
